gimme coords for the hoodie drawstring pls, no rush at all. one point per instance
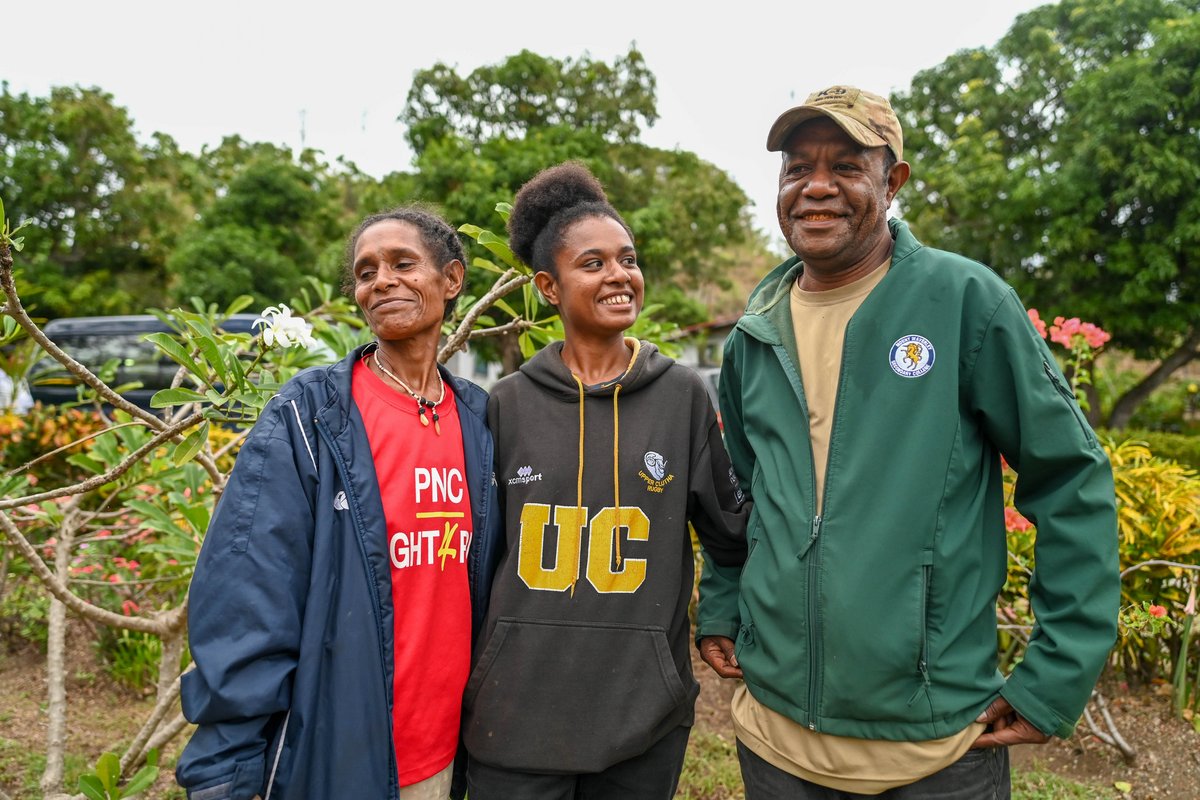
(616, 472)
(579, 473)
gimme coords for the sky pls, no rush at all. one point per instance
(334, 75)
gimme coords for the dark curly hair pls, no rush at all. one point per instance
(437, 235)
(548, 204)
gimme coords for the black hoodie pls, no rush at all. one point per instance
(585, 658)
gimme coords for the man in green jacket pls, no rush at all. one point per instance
(868, 395)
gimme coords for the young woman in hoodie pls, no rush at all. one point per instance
(606, 449)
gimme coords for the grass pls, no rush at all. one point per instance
(710, 769)
(710, 772)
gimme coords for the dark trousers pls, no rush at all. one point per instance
(653, 775)
(979, 775)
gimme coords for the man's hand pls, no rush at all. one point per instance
(1008, 727)
(717, 652)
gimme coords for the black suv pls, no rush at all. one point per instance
(94, 341)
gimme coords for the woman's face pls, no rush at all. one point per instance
(400, 288)
(599, 288)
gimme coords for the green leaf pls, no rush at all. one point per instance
(108, 770)
(143, 779)
(174, 350)
(503, 305)
(499, 248)
(92, 788)
(239, 303)
(175, 397)
(470, 230)
(528, 348)
(1, 213)
(212, 354)
(216, 398)
(1123, 786)
(484, 264)
(18, 243)
(186, 450)
(504, 210)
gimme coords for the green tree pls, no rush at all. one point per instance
(479, 137)
(106, 209)
(1067, 158)
(270, 219)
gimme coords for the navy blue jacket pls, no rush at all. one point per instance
(290, 606)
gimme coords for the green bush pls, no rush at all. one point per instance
(1173, 446)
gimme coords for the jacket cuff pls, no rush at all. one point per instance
(246, 783)
(1040, 715)
(717, 628)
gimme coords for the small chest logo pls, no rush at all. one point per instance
(912, 356)
(655, 475)
(525, 475)
(339, 502)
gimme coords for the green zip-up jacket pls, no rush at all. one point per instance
(877, 620)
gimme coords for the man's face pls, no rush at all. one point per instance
(833, 197)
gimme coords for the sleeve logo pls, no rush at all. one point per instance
(912, 356)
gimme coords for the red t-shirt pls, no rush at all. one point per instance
(428, 509)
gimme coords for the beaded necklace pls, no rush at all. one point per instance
(422, 402)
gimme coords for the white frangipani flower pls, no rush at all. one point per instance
(280, 328)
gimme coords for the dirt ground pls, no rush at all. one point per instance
(102, 715)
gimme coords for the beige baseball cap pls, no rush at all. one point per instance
(867, 118)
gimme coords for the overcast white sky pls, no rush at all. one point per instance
(340, 70)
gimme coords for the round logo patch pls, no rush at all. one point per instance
(912, 356)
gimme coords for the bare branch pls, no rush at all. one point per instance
(503, 285)
(516, 326)
(96, 481)
(1112, 736)
(160, 625)
(1154, 562)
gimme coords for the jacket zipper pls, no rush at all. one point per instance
(375, 606)
(814, 630)
(923, 658)
(1071, 399)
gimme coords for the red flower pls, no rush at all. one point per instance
(128, 607)
(1157, 611)
(1036, 319)
(1014, 522)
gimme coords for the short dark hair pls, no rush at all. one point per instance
(548, 204)
(889, 161)
(437, 235)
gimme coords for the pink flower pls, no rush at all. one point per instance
(1157, 611)
(1036, 319)
(1095, 335)
(1063, 329)
(1190, 608)
(128, 607)
(114, 578)
(1014, 522)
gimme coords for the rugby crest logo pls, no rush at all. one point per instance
(656, 466)
(912, 356)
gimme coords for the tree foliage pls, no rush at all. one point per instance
(106, 209)
(479, 138)
(527, 92)
(1067, 157)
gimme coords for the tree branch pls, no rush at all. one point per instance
(159, 625)
(16, 310)
(503, 285)
(1127, 403)
(1158, 563)
(97, 481)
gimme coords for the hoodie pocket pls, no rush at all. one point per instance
(570, 697)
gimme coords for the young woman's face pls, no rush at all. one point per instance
(400, 288)
(599, 288)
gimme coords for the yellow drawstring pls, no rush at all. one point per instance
(616, 473)
(579, 474)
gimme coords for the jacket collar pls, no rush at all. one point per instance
(769, 314)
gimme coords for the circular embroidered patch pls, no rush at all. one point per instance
(912, 356)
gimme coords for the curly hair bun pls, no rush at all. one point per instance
(548, 195)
